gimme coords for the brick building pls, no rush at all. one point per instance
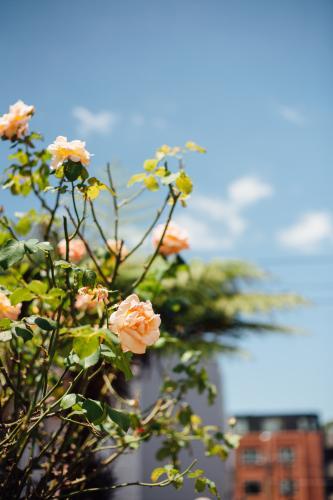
(280, 457)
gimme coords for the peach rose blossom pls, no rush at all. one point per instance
(15, 123)
(62, 150)
(136, 324)
(77, 249)
(89, 298)
(85, 303)
(115, 247)
(175, 239)
(7, 310)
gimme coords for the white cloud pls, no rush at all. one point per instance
(202, 236)
(308, 233)
(218, 223)
(248, 190)
(99, 123)
(292, 115)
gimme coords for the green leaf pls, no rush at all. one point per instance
(44, 246)
(85, 346)
(85, 363)
(24, 333)
(21, 295)
(89, 278)
(38, 287)
(123, 363)
(195, 474)
(5, 336)
(30, 246)
(72, 170)
(23, 226)
(64, 264)
(46, 324)
(68, 401)
(157, 473)
(11, 253)
(120, 418)
(94, 411)
(107, 353)
(200, 484)
(90, 360)
(5, 323)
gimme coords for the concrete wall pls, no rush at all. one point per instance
(141, 464)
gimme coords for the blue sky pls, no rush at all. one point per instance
(252, 82)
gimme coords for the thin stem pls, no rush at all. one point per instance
(99, 227)
(90, 252)
(54, 210)
(153, 257)
(115, 202)
(159, 484)
(150, 228)
(129, 200)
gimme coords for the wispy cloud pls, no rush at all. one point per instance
(159, 122)
(138, 120)
(308, 233)
(217, 223)
(292, 115)
(88, 122)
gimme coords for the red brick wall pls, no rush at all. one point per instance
(306, 470)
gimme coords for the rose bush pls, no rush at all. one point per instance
(69, 328)
(78, 311)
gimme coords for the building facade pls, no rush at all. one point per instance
(280, 457)
(139, 465)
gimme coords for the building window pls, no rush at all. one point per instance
(307, 424)
(272, 424)
(286, 455)
(242, 426)
(251, 456)
(252, 487)
(287, 487)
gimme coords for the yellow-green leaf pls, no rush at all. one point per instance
(192, 146)
(92, 192)
(184, 183)
(150, 164)
(136, 178)
(59, 173)
(157, 473)
(161, 171)
(151, 183)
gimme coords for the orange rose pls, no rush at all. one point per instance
(175, 239)
(77, 249)
(136, 324)
(7, 310)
